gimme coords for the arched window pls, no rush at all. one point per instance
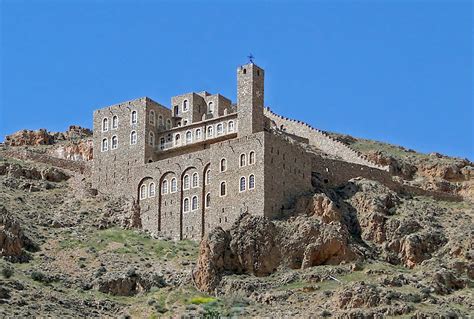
(189, 137)
(185, 106)
(210, 131)
(105, 145)
(143, 191)
(151, 138)
(162, 143)
(115, 122)
(251, 158)
(211, 107)
(160, 120)
(220, 129)
(133, 117)
(243, 183)
(208, 200)
(223, 189)
(230, 126)
(186, 205)
(174, 185)
(223, 165)
(164, 187)
(152, 117)
(176, 110)
(194, 203)
(198, 134)
(208, 176)
(105, 125)
(195, 180)
(242, 160)
(151, 190)
(186, 181)
(114, 142)
(177, 139)
(251, 181)
(168, 124)
(133, 138)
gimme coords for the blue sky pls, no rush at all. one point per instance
(394, 71)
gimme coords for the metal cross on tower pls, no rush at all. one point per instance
(251, 57)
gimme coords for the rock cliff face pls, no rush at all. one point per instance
(43, 137)
(14, 244)
(74, 151)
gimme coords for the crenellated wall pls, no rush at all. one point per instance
(320, 140)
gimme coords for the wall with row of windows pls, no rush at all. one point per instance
(242, 161)
(243, 185)
(104, 147)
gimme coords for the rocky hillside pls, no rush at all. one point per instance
(358, 250)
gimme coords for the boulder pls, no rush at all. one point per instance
(53, 174)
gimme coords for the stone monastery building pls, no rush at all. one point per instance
(205, 161)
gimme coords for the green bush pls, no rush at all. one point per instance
(7, 271)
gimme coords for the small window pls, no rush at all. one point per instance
(251, 158)
(210, 131)
(208, 176)
(223, 189)
(189, 137)
(174, 185)
(243, 183)
(208, 200)
(133, 138)
(115, 122)
(220, 129)
(195, 180)
(143, 191)
(194, 203)
(160, 120)
(114, 142)
(245, 71)
(151, 190)
(185, 106)
(186, 181)
(243, 160)
(133, 117)
(230, 126)
(162, 143)
(105, 145)
(177, 139)
(164, 187)
(105, 125)
(176, 110)
(211, 107)
(168, 124)
(223, 165)
(151, 138)
(198, 134)
(251, 181)
(186, 205)
(152, 118)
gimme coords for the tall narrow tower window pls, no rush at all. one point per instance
(211, 107)
(105, 145)
(114, 142)
(105, 125)
(133, 117)
(115, 122)
(133, 138)
(152, 117)
(223, 189)
(151, 138)
(185, 106)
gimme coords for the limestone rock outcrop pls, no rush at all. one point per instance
(43, 137)
(13, 241)
(74, 151)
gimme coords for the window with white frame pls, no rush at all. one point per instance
(195, 180)
(177, 139)
(152, 190)
(151, 138)
(105, 125)
(152, 117)
(208, 176)
(243, 160)
(243, 184)
(114, 142)
(186, 205)
(211, 107)
(133, 117)
(198, 134)
(230, 126)
(186, 181)
(115, 122)
(208, 200)
(210, 131)
(143, 191)
(133, 138)
(185, 106)
(251, 181)
(194, 203)
(189, 137)
(105, 145)
(174, 185)
(223, 189)
(251, 158)
(220, 129)
(223, 166)
(164, 187)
